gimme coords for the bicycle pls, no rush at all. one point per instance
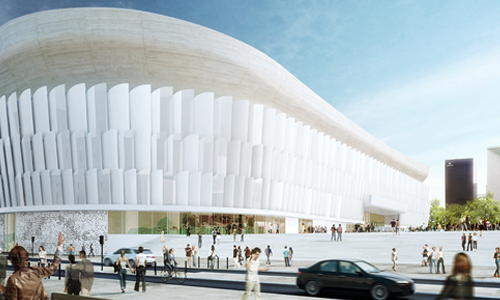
(178, 274)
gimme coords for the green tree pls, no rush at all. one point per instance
(484, 207)
(436, 214)
(453, 213)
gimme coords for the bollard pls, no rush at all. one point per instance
(155, 268)
(207, 262)
(227, 263)
(217, 262)
(59, 272)
(48, 265)
(199, 260)
(185, 265)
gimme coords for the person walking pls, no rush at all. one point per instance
(440, 257)
(469, 242)
(162, 236)
(474, 241)
(290, 256)
(248, 252)
(219, 235)
(241, 259)
(194, 254)
(188, 229)
(212, 255)
(72, 284)
(165, 255)
(235, 257)
(235, 232)
(397, 227)
(140, 270)
(286, 252)
(189, 254)
(339, 233)
(252, 279)
(393, 226)
(425, 256)
(459, 285)
(433, 256)
(496, 257)
(42, 255)
(26, 282)
(334, 236)
(200, 240)
(269, 252)
(91, 250)
(123, 263)
(394, 259)
(70, 249)
(242, 234)
(86, 273)
(214, 235)
(464, 240)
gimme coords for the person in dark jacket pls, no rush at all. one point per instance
(459, 284)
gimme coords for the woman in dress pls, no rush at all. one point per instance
(122, 261)
(459, 284)
(42, 255)
(290, 256)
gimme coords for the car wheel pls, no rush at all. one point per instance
(379, 291)
(107, 262)
(312, 288)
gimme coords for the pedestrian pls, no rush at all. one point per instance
(433, 256)
(469, 242)
(251, 278)
(92, 250)
(464, 240)
(162, 236)
(474, 241)
(72, 284)
(165, 255)
(339, 233)
(219, 235)
(248, 252)
(194, 253)
(140, 270)
(393, 226)
(42, 255)
(235, 257)
(212, 255)
(240, 256)
(440, 260)
(290, 256)
(268, 252)
(171, 262)
(200, 239)
(189, 253)
(286, 252)
(394, 259)
(496, 257)
(425, 257)
(242, 234)
(86, 273)
(234, 234)
(334, 236)
(26, 282)
(188, 229)
(397, 227)
(83, 247)
(214, 235)
(123, 263)
(70, 249)
(459, 284)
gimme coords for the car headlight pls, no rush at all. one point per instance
(403, 282)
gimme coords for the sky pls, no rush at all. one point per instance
(422, 76)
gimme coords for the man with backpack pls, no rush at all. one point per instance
(334, 236)
(268, 253)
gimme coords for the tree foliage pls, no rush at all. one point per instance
(483, 207)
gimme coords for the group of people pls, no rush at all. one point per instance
(471, 241)
(71, 249)
(433, 258)
(336, 233)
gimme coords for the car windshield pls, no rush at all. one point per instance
(367, 267)
(145, 251)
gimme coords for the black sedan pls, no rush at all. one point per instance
(353, 275)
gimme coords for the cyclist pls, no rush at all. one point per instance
(171, 262)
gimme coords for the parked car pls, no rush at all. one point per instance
(353, 275)
(130, 253)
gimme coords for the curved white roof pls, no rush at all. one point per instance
(94, 45)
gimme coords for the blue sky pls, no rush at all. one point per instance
(422, 76)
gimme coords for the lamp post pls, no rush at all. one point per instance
(32, 243)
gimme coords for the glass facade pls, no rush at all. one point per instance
(9, 231)
(146, 222)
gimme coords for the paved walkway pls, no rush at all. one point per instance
(309, 248)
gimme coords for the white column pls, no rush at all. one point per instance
(119, 107)
(143, 188)
(37, 189)
(80, 187)
(45, 177)
(110, 149)
(49, 143)
(94, 150)
(97, 107)
(223, 117)
(157, 187)
(91, 180)
(117, 187)
(38, 152)
(27, 153)
(4, 119)
(206, 189)
(28, 196)
(239, 124)
(79, 150)
(68, 187)
(194, 194)
(57, 109)
(77, 108)
(255, 119)
(26, 113)
(105, 186)
(203, 115)
(56, 187)
(64, 150)
(131, 186)
(160, 109)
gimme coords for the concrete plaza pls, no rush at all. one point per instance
(308, 248)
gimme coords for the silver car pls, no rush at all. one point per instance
(130, 253)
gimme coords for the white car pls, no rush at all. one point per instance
(130, 253)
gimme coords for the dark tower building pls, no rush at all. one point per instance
(459, 175)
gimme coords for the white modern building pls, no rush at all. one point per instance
(117, 121)
(493, 172)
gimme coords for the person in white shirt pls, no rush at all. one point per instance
(252, 279)
(474, 241)
(394, 259)
(433, 256)
(440, 257)
(140, 270)
(42, 255)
